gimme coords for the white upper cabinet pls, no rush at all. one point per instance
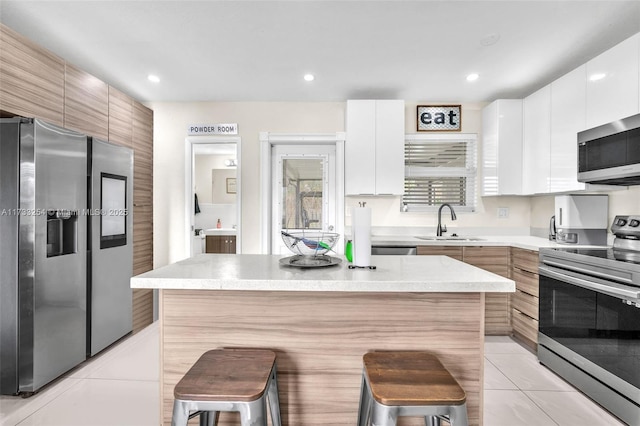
(568, 117)
(502, 148)
(537, 142)
(613, 91)
(374, 148)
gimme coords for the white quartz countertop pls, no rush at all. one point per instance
(523, 242)
(265, 273)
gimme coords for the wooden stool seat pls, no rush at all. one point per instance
(409, 383)
(240, 380)
(411, 378)
(227, 375)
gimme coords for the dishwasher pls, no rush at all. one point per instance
(394, 250)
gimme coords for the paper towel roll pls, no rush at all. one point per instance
(361, 231)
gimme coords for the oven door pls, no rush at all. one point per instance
(594, 324)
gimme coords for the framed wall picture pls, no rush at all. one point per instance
(439, 118)
(231, 185)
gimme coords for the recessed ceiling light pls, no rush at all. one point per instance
(309, 77)
(596, 77)
(153, 78)
(490, 39)
(472, 77)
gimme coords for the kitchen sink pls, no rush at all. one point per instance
(451, 238)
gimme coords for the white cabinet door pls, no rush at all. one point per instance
(374, 149)
(568, 117)
(537, 138)
(502, 148)
(612, 84)
(390, 147)
(359, 148)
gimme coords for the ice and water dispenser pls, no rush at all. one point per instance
(62, 232)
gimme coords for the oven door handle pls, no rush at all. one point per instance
(612, 289)
(582, 270)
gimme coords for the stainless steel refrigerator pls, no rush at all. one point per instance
(110, 256)
(50, 320)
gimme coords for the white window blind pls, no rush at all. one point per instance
(440, 168)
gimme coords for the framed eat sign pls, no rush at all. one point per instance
(439, 118)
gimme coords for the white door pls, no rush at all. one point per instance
(303, 191)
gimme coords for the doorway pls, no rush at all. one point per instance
(302, 186)
(212, 191)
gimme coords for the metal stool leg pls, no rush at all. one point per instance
(180, 413)
(432, 421)
(274, 400)
(365, 404)
(254, 413)
(458, 415)
(208, 418)
(383, 415)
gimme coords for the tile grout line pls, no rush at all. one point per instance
(58, 395)
(504, 374)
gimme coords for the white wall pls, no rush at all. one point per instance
(169, 133)
(210, 176)
(170, 123)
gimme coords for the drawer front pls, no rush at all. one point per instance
(525, 303)
(525, 259)
(480, 256)
(524, 325)
(526, 281)
(451, 251)
(492, 259)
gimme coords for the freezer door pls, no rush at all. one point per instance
(111, 251)
(9, 199)
(52, 252)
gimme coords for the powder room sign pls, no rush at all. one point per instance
(439, 118)
(212, 129)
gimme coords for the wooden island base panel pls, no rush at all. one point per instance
(320, 338)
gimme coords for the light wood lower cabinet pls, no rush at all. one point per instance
(220, 244)
(493, 259)
(497, 312)
(454, 252)
(524, 301)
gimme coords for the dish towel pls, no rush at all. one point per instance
(197, 206)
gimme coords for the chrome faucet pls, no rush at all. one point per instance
(443, 228)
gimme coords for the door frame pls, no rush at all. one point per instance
(189, 167)
(267, 141)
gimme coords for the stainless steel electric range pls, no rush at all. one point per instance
(589, 318)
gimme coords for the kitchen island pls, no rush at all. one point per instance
(321, 321)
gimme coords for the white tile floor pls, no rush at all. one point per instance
(120, 387)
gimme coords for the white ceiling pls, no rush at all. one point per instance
(260, 50)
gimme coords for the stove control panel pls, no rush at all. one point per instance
(626, 226)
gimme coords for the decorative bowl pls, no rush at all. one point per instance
(310, 243)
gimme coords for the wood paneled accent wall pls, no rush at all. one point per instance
(86, 103)
(120, 118)
(36, 83)
(31, 79)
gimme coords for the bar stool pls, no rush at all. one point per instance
(409, 383)
(229, 380)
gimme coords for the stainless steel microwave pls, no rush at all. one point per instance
(610, 154)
